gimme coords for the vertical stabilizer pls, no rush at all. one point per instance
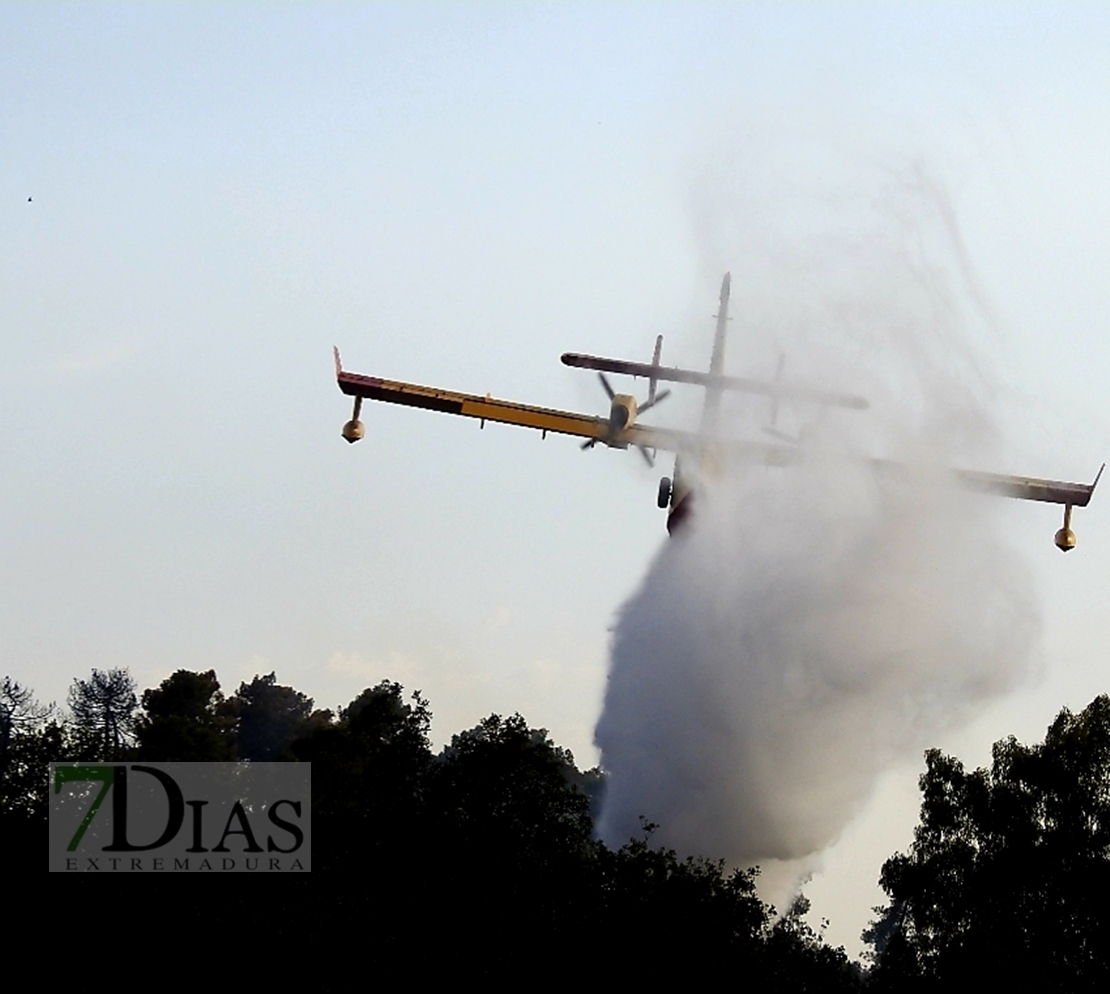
(717, 362)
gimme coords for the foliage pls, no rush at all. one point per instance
(103, 709)
(798, 959)
(186, 719)
(505, 788)
(480, 857)
(19, 713)
(368, 774)
(650, 897)
(24, 786)
(1009, 868)
(1006, 876)
(270, 717)
(31, 739)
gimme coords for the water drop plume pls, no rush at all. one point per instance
(818, 622)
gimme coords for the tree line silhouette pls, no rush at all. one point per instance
(481, 857)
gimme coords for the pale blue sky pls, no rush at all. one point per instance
(455, 194)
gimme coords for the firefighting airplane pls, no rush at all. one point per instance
(621, 428)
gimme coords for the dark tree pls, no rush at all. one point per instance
(24, 784)
(19, 713)
(186, 719)
(652, 903)
(368, 777)
(477, 862)
(369, 846)
(29, 741)
(1009, 869)
(506, 789)
(103, 710)
(796, 958)
(270, 718)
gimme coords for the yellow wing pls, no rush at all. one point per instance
(470, 405)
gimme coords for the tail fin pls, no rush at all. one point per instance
(717, 362)
(778, 379)
(653, 380)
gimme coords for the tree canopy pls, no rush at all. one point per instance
(482, 852)
(492, 836)
(270, 718)
(30, 739)
(19, 712)
(103, 710)
(1009, 870)
(186, 719)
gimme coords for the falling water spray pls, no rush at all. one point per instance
(817, 623)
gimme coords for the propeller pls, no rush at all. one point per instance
(652, 401)
(654, 397)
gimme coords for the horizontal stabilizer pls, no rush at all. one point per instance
(780, 391)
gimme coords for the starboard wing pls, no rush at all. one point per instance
(1030, 488)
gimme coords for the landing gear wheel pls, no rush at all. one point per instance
(664, 492)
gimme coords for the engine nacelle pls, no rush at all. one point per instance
(622, 413)
(353, 430)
